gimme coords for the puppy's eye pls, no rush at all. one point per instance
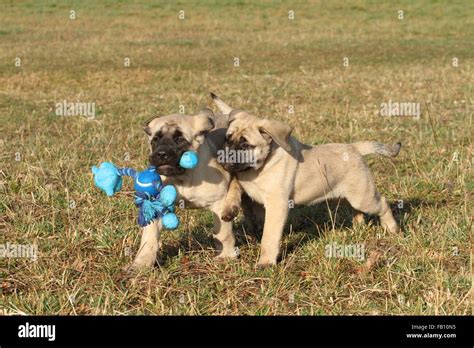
(158, 135)
(178, 137)
(246, 146)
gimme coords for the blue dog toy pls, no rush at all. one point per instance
(152, 198)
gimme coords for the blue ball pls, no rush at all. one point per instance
(147, 181)
(170, 221)
(189, 160)
(168, 195)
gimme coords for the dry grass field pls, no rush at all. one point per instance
(289, 69)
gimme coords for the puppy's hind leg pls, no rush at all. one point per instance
(386, 217)
(375, 204)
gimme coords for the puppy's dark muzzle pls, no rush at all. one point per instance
(163, 155)
(166, 160)
(235, 167)
(228, 167)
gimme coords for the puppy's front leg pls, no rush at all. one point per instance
(276, 213)
(232, 201)
(224, 238)
(149, 246)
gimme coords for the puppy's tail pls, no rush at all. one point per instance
(370, 147)
(223, 107)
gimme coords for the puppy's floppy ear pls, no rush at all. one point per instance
(204, 121)
(278, 131)
(146, 126)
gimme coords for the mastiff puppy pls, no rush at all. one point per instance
(206, 186)
(283, 170)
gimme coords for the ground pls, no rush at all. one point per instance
(326, 72)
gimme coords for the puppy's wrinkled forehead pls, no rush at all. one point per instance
(169, 125)
(244, 125)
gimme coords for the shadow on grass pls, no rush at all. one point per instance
(313, 222)
(187, 243)
(310, 223)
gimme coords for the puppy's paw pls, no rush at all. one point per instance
(229, 254)
(391, 228)
(133, 268)
(229, 213)
(395, 229)
(263, 263)
(138, 266)
(223, 259)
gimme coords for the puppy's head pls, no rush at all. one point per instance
(170, 136)
(253, 137)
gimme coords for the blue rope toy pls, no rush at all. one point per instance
(153, 200)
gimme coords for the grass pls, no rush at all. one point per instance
(84, 238)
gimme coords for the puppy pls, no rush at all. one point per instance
(206, 186)
(285, 171)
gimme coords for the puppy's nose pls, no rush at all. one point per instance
(162, 154)
(229, 166)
